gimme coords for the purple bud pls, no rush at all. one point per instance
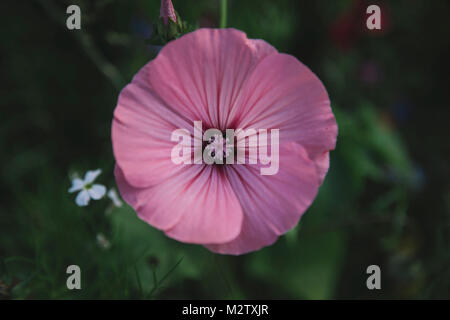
(167, 11)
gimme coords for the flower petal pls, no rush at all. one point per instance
(112, 194)
(198, 206)
(322, 164)
(273, 204)
(97, 191)
(212, 214)
(91, 176)
(82, 198)
(143, 122)
(77, 185)
(284, 94)
(201, 74)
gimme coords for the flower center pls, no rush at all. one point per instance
(218, 147)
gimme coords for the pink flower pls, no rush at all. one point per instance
(227, 81)
(167, 11)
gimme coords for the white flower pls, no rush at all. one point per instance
(88, 190)
(112, 194)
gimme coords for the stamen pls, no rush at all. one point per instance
(218, 147)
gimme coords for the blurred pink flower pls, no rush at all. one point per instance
(167, 11)
(347, 28)
(227, 81)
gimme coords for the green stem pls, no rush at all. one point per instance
(223, 14)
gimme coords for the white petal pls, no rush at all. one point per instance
(77, 185)
(91, 176)
(82, 198)
(97, 191)
(112, 194)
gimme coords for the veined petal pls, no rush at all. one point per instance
(272, 204)
(284, 94)
(197, 206)
(142, 121)
(201, 74)
(212, 212)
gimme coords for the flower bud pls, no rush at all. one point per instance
(167, 11)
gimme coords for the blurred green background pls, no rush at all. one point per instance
(385, 201)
